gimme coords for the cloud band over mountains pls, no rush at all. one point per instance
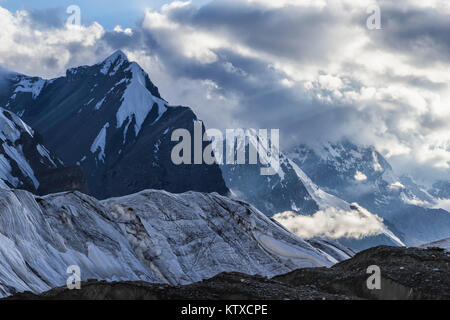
(310, 68)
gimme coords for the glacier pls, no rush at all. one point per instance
(153, 236)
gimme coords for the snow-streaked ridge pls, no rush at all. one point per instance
(31, 85)
(137, 101)
(11, 129)
(99, 143)
(326, 200)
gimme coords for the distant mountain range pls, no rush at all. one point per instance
(110, 120)
(441, 189)
(292, 190)
(336, 176)
(105, 130)
(361, 174)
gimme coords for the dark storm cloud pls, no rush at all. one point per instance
(138, 40)
(47, 18)
(264, 102)
(290, 32)
(232, 72)
(423, 34)
(306, 38)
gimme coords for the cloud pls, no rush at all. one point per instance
(442, 204)
(359, 176)
(333, 223)
(32, 46)
(423, 31)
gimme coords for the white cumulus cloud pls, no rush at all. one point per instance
(333, 223)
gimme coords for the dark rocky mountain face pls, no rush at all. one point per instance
(406, 274)
(271, 194)
(225, 286)
(26, 164)
(110, 119)
(357, 172)
(362, 175)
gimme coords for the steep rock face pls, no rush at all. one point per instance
(152, 236)
(62, 179)
(111, 120)
(271, 194)
(361, 174)
(27, 164)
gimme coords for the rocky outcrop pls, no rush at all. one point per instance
(406, 273)
(62, 179)
(225, 286)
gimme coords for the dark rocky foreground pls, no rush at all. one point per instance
(406, 273)
(225, 286)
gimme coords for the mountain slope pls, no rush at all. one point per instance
(444, 244)
(290, 189)
(441, 189)
(362, 175)
(27, 164)
(111, 120)
(152, 236)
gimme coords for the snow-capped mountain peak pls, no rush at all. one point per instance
(123, 127)
(361, 174)
(290, 190)
(137, 100)
(111, 64)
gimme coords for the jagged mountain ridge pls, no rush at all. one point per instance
(441, 189)
(152, 236)
(111, 120)
(27, 164)
(361, 174)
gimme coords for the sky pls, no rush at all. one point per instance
(109, 13)
(311, 68)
